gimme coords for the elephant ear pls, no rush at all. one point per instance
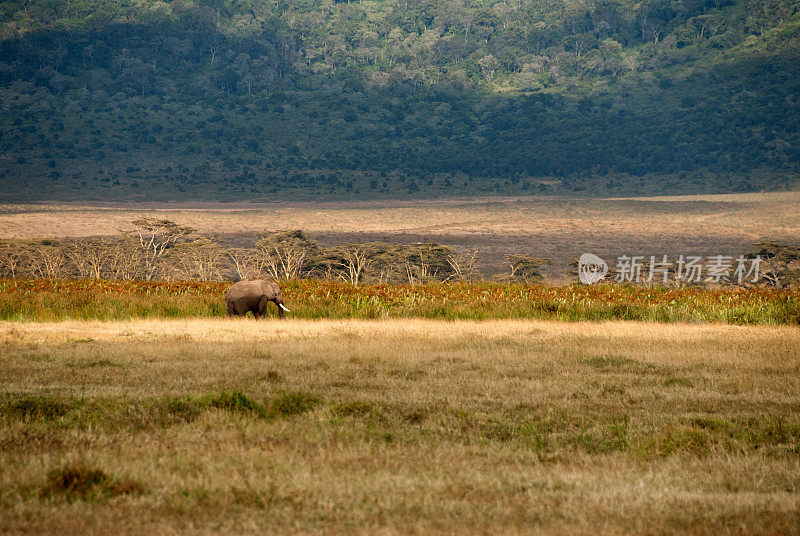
(269, 288)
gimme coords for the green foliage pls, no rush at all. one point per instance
(36, 407)
(285, 404)
(236, 402)
(167, 411)
(297, 99)
(288, 404)
(150, 413)
(590, 432)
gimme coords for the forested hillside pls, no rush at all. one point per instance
(314, 99)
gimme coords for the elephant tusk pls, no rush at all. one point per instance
(284, 308)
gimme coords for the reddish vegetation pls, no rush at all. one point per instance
(56, 299)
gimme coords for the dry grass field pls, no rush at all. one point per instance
(398, 427)
(557, 228)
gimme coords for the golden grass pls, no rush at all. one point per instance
(411, 427)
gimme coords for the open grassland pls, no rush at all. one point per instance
(556, 228)
(398, 427)
(48, 300)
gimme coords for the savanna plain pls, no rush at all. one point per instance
(557, 228)
(317, 425)
(399, 426)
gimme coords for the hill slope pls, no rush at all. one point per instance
(314, 99)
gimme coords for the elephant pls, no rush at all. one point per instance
(253, 296)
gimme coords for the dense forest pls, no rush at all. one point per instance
(321, 99)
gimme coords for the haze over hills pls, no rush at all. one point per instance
(313, 99)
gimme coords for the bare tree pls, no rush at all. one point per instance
(284, 254)
(352, 260)
(125, 261)
(200, 260)
(47, 260)
(13, 258)
(247, 263)
(283, 262)
(463, 265)
(156, 237)
(91, 259)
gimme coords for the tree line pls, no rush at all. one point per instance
(164, 250)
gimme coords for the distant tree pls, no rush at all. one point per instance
(201, 260)
(526, 268)
(780, 263)
(91, 258)
(350, 261)
(14, 257)
(427, 261)
(247, 264)
(285, 254)
(156, 239)
(126, 260)
(47, 260)
(489, 65)
(463, 265)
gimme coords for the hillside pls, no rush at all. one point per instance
(306, 99)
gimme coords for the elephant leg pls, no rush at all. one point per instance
(261, 307)
(238, 307)
(231, 309)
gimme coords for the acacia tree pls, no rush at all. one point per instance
(200, 259)
(526, 268)
(285, 254)
(247, 264)
(780, 263)
(13, 259)
(156, 238)
(463, 265)
(426, 262)
(125, 262)
(385, 262)
(351, 261)
(47, 260)
(91, 259)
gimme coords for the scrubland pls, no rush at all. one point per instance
(409, 426)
